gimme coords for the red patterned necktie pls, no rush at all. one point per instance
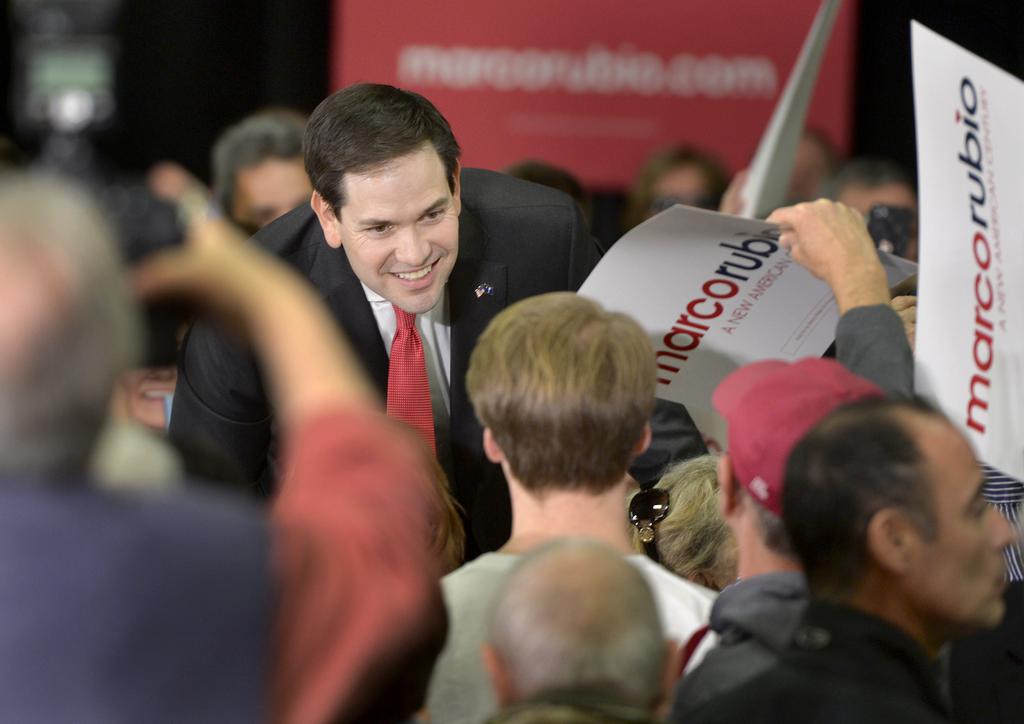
(408, 388)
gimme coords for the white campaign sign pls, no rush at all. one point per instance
(714, 292)
(970, 323)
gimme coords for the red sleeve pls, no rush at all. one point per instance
(358, 594)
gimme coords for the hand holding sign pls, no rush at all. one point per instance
(906, 308)
(831, 241)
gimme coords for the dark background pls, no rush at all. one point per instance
(190, 67)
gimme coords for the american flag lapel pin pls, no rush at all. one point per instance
(483, 289)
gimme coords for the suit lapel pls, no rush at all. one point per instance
(347, 302)
(477, 291)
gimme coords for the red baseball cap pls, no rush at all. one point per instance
(770, 406)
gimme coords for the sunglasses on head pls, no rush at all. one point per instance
(646, 509)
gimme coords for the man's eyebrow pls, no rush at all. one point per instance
(368, 223)
(442, 201)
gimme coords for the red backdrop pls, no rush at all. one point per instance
(596, 85)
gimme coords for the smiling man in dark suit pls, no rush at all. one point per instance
(414, 255)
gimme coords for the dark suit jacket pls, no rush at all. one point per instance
(519, 238)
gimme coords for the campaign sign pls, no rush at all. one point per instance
(714, 292)
(970, 324)
(596, 85)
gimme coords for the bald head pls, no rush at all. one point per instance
(576, 614)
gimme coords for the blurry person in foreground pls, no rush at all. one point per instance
(127, 600)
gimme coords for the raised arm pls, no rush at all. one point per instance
(832, 242)
(358, 598)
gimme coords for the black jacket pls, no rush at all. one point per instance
(755, 619)
(987, 669)
(843, 667)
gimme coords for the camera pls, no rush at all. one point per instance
(64, 86)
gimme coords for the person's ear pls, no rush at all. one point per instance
(644, 442)
(892, 541)
(492, 450)
(329, 221)
(457, 188)
(728, 501)
(501, 682)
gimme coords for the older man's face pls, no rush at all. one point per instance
(35, 291)
(957, 583)
(399, 227)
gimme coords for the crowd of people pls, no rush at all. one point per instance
(402, 472)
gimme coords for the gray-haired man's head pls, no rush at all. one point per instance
(258, 171)
(69, 326)
(577, 616)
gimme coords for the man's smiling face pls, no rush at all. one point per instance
(399, 227)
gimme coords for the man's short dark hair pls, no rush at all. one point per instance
(274, 133)
(547, 174)
(364, 126)
(870, 172)
(859, 460)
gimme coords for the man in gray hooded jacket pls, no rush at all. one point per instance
(756, 617)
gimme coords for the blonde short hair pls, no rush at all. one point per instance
(566, 389)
